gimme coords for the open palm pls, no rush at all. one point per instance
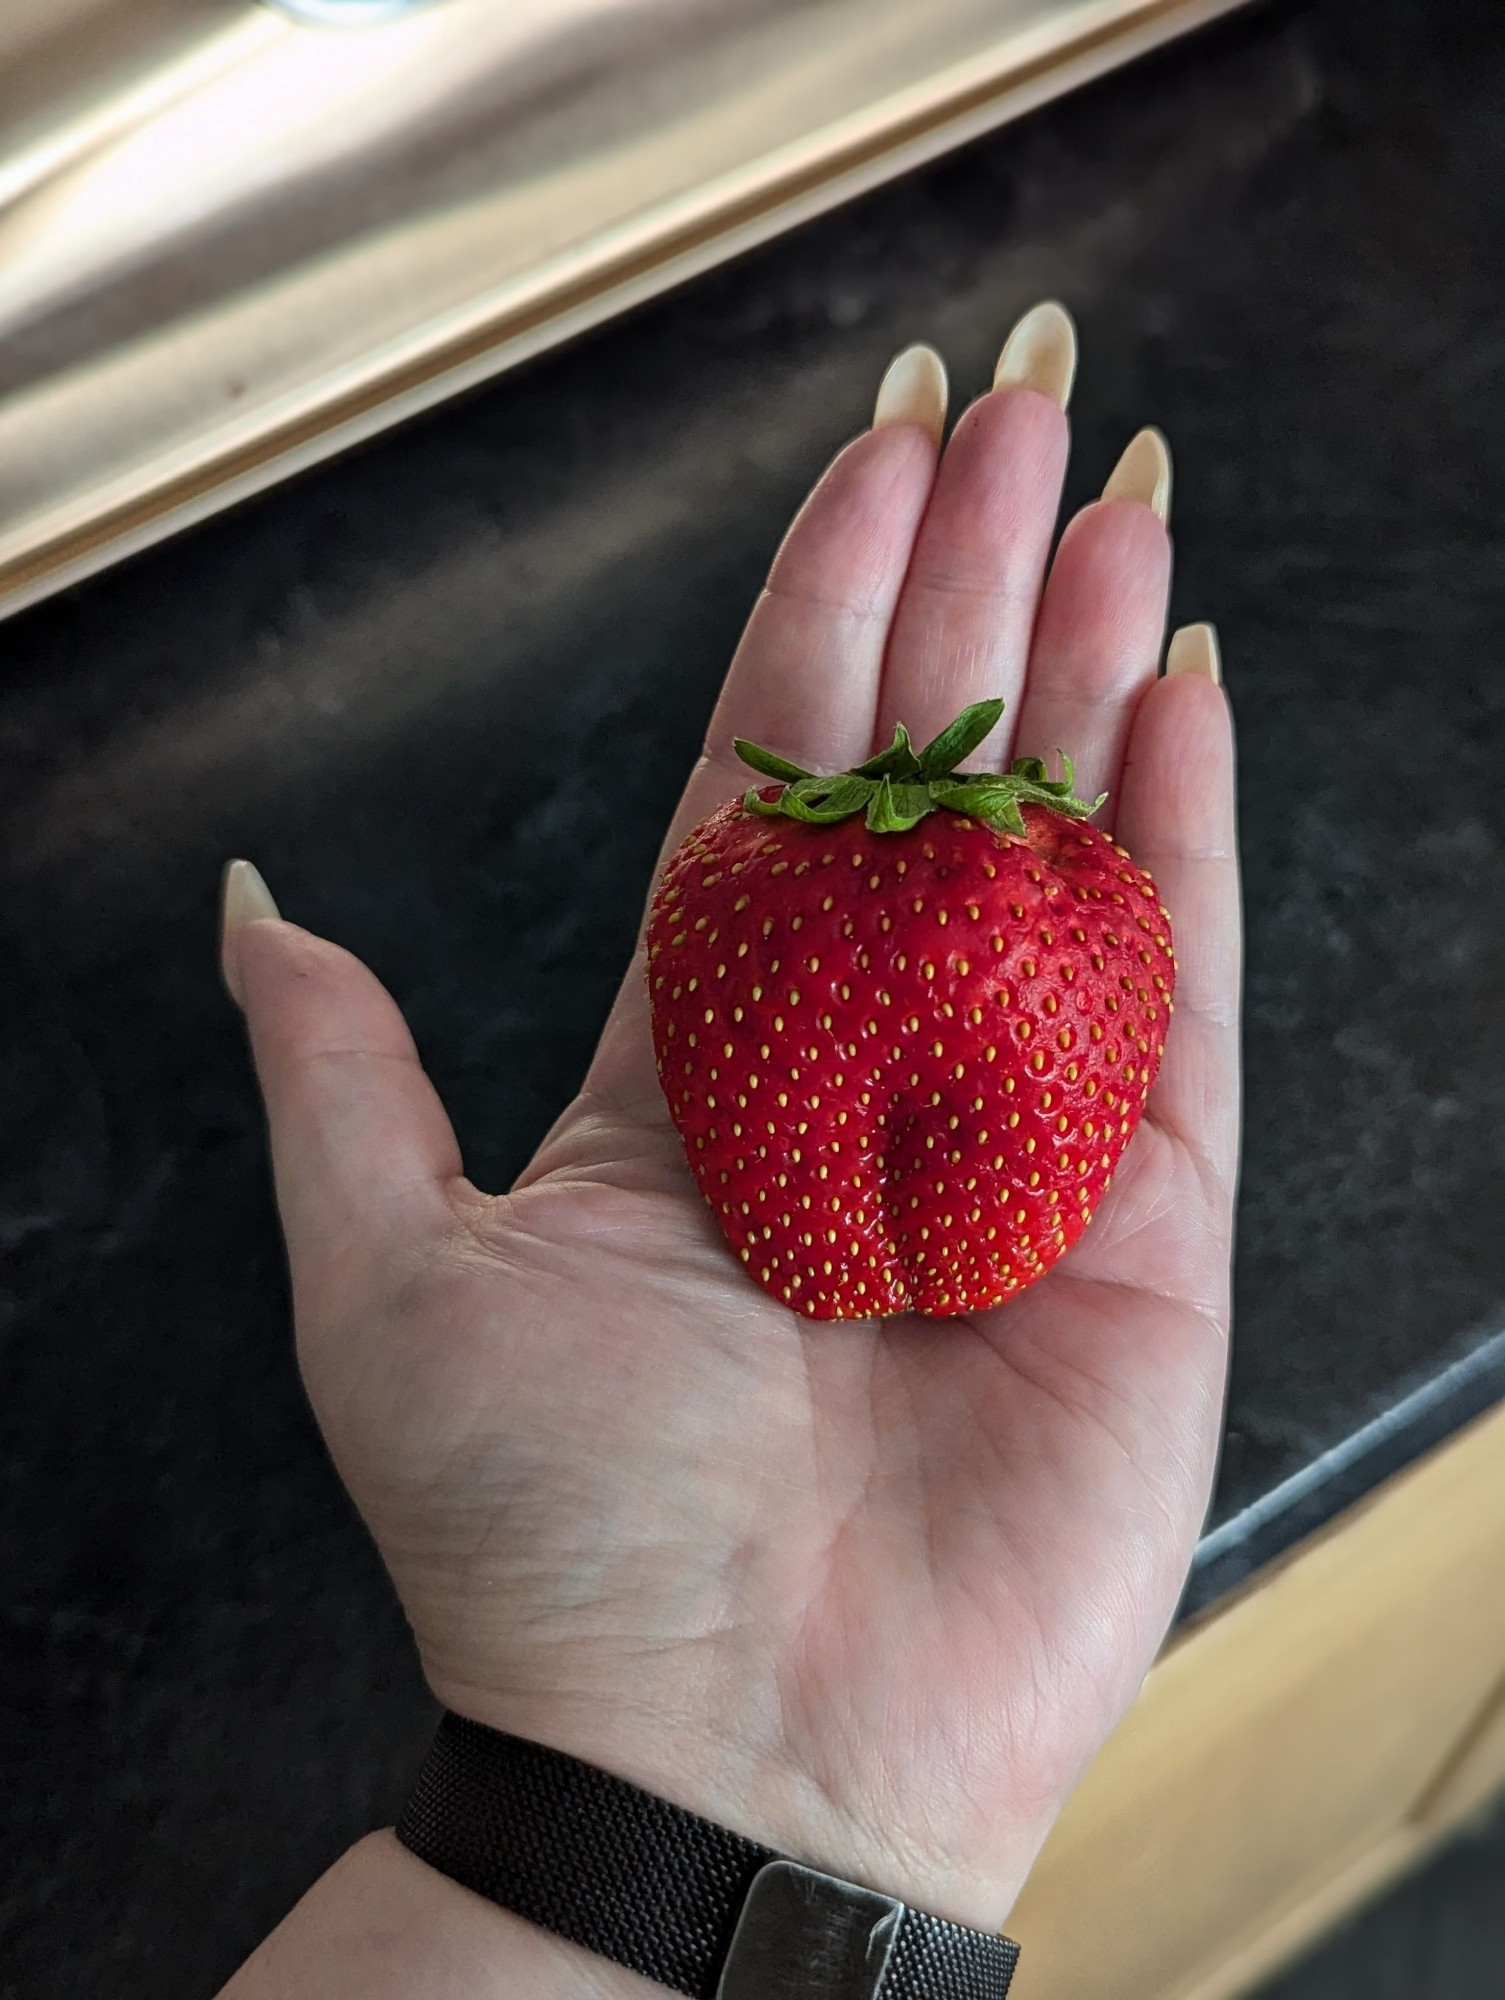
(874, 1592)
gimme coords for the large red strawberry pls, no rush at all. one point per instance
(906, 1019)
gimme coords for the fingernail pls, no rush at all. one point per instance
(1194, 650)
(243, 899)
(914, 391)
(1143, 473)
(1040, 354)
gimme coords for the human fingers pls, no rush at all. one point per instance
(1097, 644)
(804, 680)
(361, 1147)
(962, 629)
(1177, 818)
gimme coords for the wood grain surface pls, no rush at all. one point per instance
(1291, 1753)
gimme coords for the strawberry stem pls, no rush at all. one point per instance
(896, 789)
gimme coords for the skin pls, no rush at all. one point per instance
(871, 1593)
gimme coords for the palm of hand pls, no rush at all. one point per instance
(874, 1592)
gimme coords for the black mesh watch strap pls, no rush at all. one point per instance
(668, 1894)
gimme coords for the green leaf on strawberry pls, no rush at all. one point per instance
(897, 788)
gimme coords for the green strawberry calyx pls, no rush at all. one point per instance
(896, 789)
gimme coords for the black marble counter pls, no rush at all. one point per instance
(1284, 243)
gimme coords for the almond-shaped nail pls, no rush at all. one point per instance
(1040, 353)
(1194, 650)
(1143, 473)
(245, 899)
(914, 391)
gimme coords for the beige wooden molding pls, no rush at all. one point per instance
(1473, 1774)
(1291, 1752)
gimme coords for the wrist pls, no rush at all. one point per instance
(382, 1925)
(675, 1896)
(779, 1803)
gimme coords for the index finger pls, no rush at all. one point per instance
(805, 678)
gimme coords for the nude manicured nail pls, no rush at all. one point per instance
(1143, 473)
(1194, 650)
(244, 899)
(914, 391)
(1040, 354)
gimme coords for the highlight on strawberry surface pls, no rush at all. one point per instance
(906, 1018)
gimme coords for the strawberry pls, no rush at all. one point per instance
(906, 1019)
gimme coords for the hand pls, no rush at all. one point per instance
(871, 1593)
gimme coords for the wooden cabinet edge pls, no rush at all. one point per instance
(1373, 1557)
(1285, 1932)
(1476, 1452)
(1467, 1787)
(1472, 1775)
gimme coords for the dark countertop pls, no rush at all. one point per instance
(1284, 244)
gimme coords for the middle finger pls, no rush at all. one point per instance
(962, 629)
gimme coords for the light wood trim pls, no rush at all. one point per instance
(1474, 1773)
(1283, 1934)
(1291, 1752)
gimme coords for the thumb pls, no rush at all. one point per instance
(362, 1150)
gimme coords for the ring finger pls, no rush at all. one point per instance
(962, 628)
(1097, 644)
